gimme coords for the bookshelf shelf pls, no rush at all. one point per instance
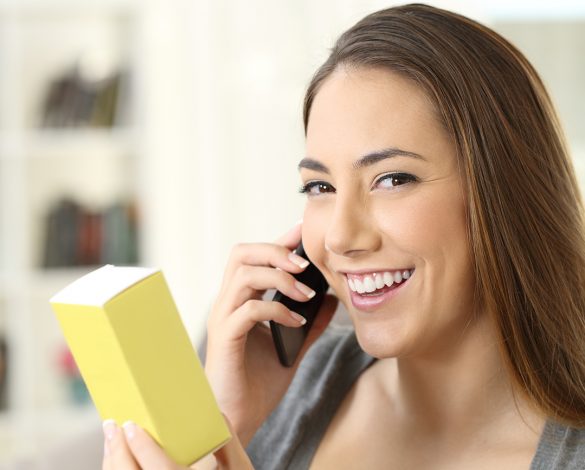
(47, 282)
(40, 286)
(49, 142)
(67, 143)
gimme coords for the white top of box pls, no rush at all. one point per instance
(98, 287)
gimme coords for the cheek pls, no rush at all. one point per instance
(426, 225)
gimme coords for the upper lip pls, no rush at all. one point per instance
(370, 270)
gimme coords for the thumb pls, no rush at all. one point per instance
(145, 449)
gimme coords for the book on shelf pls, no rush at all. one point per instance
(61, 234)
(137, 361)
(77, 236)
(74, 101)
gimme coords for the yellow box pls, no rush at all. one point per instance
(137, 360)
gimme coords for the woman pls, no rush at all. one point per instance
(443, 210)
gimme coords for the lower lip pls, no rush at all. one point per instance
(371, 303)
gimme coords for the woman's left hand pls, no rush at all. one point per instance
(132, 448)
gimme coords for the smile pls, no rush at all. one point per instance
(371, 282)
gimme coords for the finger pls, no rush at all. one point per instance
(117, 455)
(264, 254)
(254, 311)
(260, 254)
(292, 237)
(146, 451)
(253, 280)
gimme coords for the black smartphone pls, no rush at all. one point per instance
(287, 340)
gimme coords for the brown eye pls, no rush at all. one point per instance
(314, 188)
(391, 180)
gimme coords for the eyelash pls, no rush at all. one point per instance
(306, 188)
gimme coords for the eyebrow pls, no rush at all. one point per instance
(367, 160)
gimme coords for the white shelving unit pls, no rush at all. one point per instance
(94, 166)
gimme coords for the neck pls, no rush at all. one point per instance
(462, 389)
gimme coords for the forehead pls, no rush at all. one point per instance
(360, 110)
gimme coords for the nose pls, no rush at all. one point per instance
(351, 230)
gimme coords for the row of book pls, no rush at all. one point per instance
(77, 236)
(72, 101)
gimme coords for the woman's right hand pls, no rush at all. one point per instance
(241, 361)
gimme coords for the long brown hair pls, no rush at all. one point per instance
(525, 215)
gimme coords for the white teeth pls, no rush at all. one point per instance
(369, 284)
(379, 281)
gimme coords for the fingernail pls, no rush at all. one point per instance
(310, 293)
(302, 320)
(110, 428)
(298, 260)
(129, 429)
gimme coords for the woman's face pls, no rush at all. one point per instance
(384, 196)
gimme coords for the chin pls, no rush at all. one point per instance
(379, 341)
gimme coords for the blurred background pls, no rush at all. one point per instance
(160, 133)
